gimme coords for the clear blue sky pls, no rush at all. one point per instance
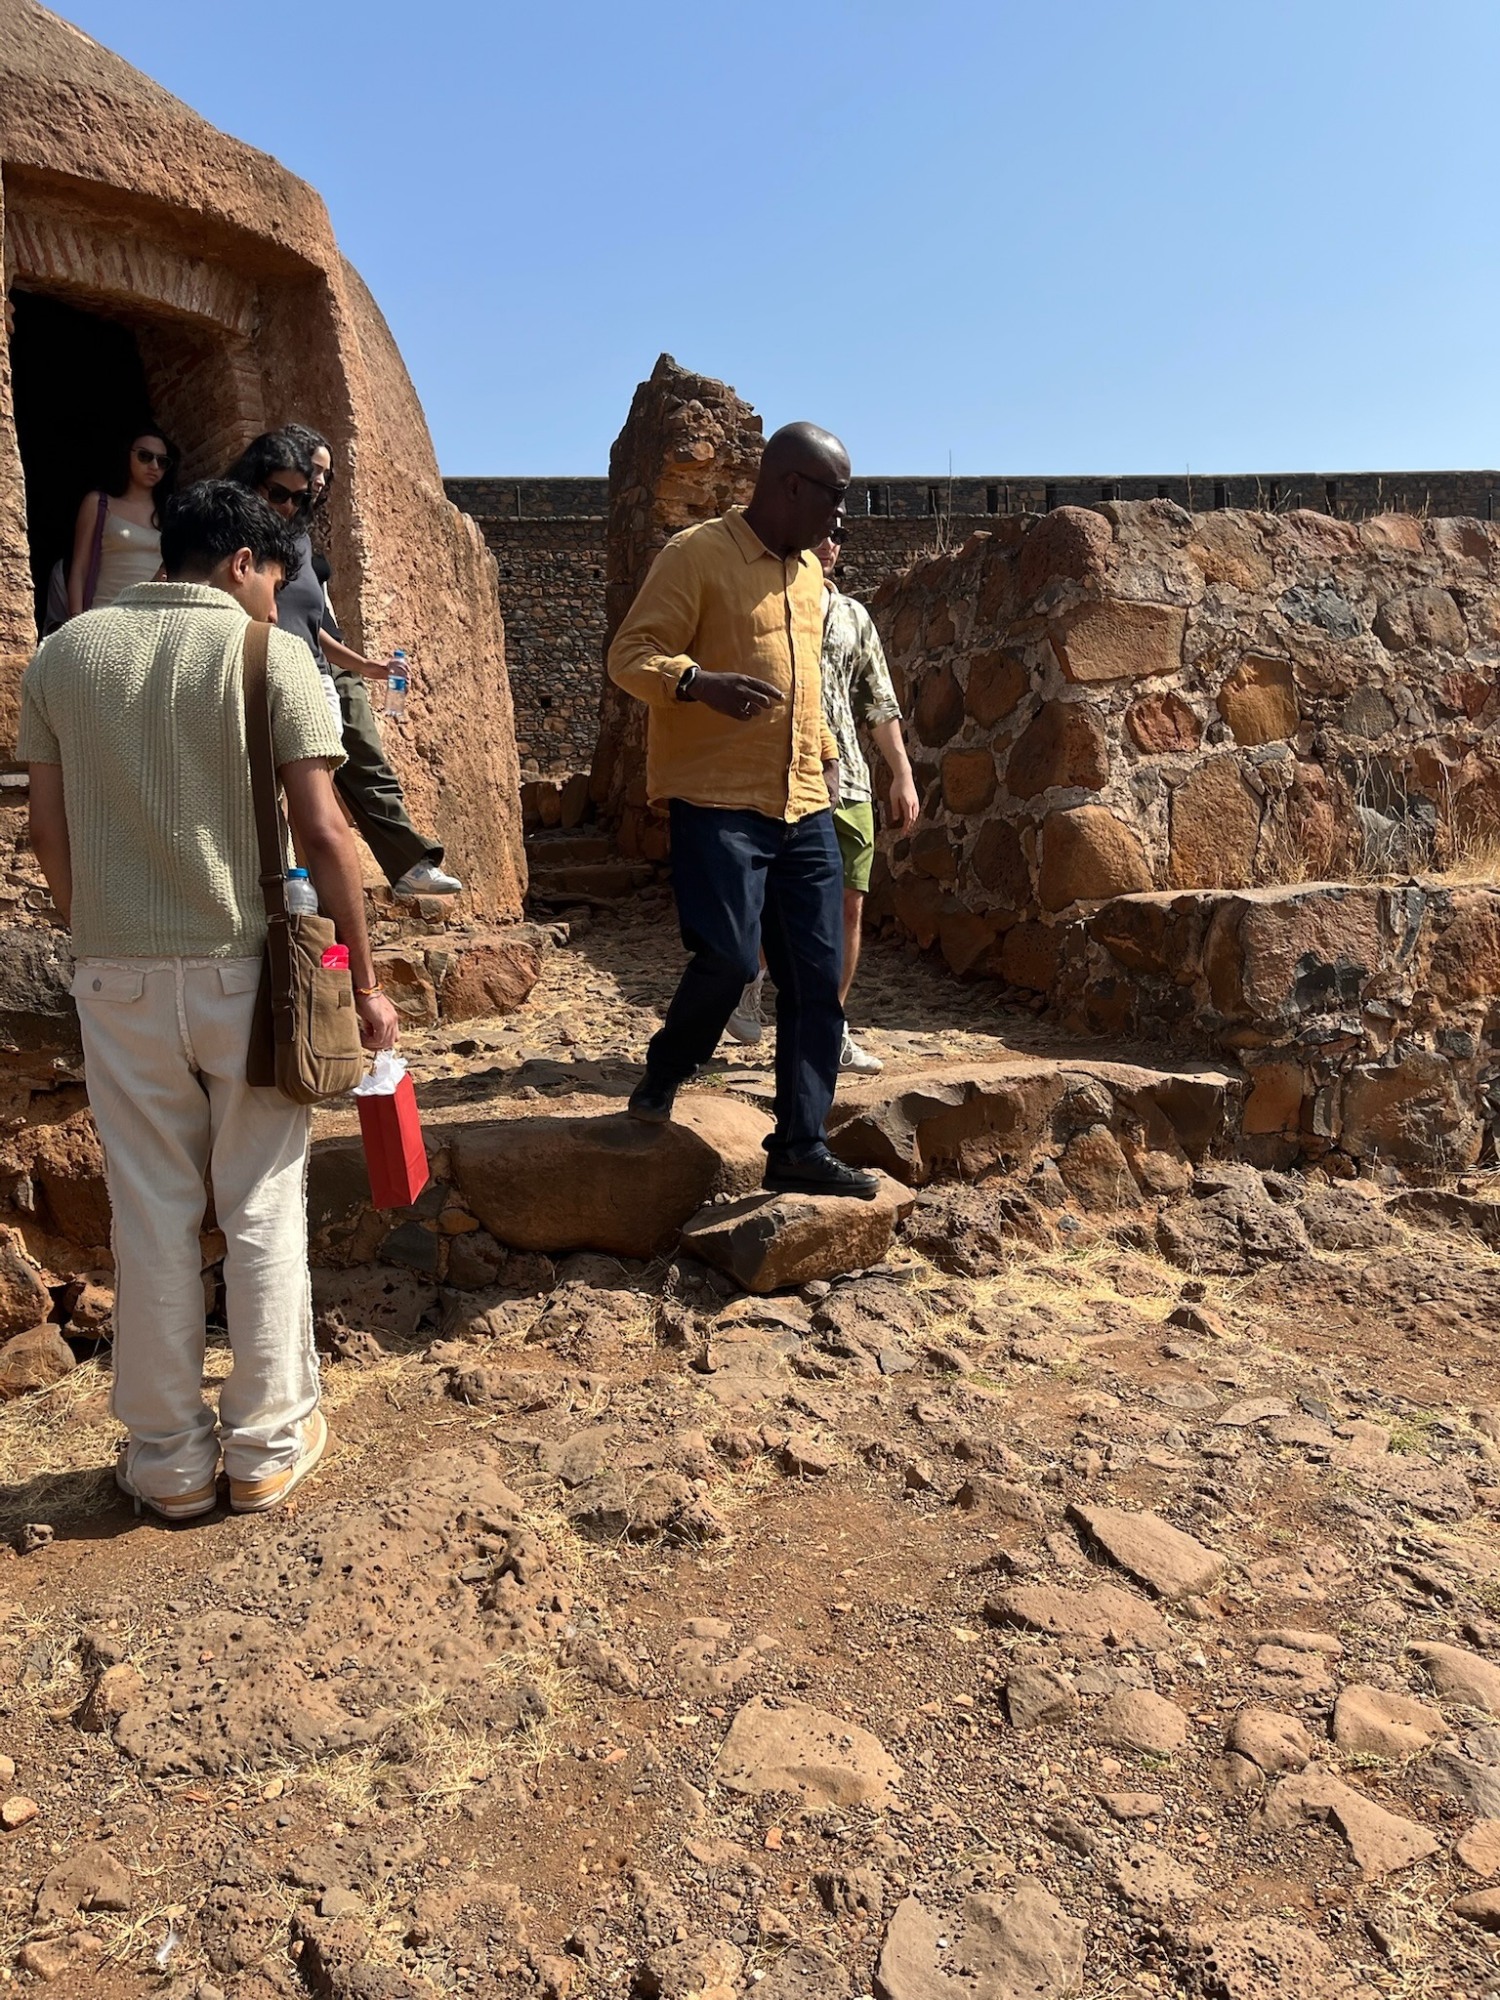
(1112, 236)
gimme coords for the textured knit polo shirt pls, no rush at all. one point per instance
(717, 598)
(142, 706)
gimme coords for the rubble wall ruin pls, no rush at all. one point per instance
(1148, 741)
(689, 449)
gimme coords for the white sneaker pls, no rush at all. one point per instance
(852, 1056)
(259, 1496)
(426, 879)
(746, 1022)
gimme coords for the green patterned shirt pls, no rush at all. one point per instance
(856, 688)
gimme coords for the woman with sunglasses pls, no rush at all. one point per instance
(280, 466)
(117, 537)
(277, 468)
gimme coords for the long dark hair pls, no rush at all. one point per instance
(164, 488)
(311, 441)
(272, 451)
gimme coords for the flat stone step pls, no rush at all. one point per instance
(562, 850)
(1099, 1120)
(608, 880)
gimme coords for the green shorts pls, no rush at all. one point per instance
(855, 827)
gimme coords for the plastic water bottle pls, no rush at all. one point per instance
(301, 896)
(396, 685)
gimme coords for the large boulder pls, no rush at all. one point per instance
(603, 1181)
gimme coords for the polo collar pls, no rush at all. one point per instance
(197, 596)
(749, 544)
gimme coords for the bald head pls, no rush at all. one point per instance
(800, 488)
(805, 447)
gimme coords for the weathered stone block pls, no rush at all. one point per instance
(997, 681)
(999, 863)
(1064, 744)
(1087, 854)
(1259, 702)
(24, 1298)
(925, 1125)
(32, 1360)
(1428, 618)
(969, 782)
(1410, 1113)
(606, 1182)
(933, 852)
(1163, 724)
(1227, 549)
(1071, 544)
(1215, 828)
(1116, 640)
(940, 708)
(1029, 957)
(769, 1241)
(489, 976)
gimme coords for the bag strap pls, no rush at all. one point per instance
(96, 554)
(269, 826)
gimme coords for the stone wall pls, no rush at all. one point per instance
(546, 534)
(552, 594)
(689, 449)
(1147, 742)
(223, 269)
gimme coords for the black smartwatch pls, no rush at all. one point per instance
(685, 684)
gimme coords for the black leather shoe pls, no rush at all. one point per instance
(651, 1102)
(818, 1172)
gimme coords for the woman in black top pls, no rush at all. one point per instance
(280, 467)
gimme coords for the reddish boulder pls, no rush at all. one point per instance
(1088, 854)
(1063, 745)
(1163, 724)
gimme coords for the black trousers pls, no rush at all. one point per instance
(370, 788)
(743, 881)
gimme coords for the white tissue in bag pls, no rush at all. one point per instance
(384, 1077)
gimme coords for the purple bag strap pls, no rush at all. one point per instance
(91, 577)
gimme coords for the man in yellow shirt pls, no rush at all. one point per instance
(722, 644)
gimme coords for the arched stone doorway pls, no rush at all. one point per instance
(79, 388)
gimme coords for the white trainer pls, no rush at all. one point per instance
(426, 879)
(746, 1023)
(852, 1056)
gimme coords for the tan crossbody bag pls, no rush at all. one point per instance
(305, 1039)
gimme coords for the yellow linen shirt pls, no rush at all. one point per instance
(717, 598)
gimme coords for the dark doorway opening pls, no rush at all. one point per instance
(80, 391)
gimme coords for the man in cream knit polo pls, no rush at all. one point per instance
(132, 724)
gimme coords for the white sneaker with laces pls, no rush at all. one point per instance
(852, 1056)
(746, 1022)
(426, 879)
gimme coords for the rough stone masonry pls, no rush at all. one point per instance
(1148, 742)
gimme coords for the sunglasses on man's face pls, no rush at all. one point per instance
(837, 494)
(286, 496)
(161, 458)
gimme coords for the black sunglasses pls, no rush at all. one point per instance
(838, 536)
(161, 458)
(282, 496)
(837, 494)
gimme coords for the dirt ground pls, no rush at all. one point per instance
(1117, 1613)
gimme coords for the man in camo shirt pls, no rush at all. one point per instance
(857, 691)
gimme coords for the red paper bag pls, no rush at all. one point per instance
(392, 1134)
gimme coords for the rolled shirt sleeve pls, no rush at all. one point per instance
(871, 692)
(649, 654)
